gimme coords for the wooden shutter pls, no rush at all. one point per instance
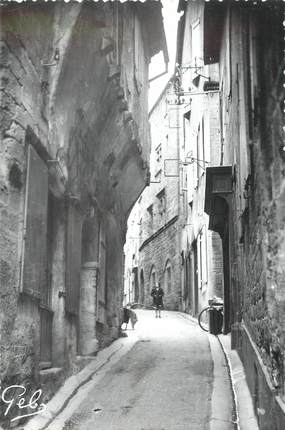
(34, 274)
(73, 260)
(46, 337)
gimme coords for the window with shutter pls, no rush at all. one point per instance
(161, 206)
(34, 270)
(46, 313)
(73, 260)
(38, 232)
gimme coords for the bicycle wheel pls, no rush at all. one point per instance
(203, 318)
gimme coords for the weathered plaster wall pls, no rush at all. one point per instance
(202, 142)
(20, 92)
(68, 89)
(253, 145)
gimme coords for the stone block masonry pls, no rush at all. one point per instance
(255, 117)
(154, 255)
(71, 166)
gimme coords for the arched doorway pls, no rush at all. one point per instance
(135, 284)
(168, 277)
(218, 205)
(152, 279)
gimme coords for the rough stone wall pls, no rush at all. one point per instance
(154, 255)
(159, 239)
(266, 320)
(164, 137)
(257, 155)
(21, 91)
(64, 91)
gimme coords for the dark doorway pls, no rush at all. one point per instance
(227, 284)
(46, 314)
(142, 287)
(135, 284)
(38, 247)
(188, 282)
(196, 281)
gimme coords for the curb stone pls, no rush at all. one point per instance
(245, 410)
(73, 384)
(246, 419)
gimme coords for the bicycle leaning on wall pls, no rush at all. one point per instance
(210, 319)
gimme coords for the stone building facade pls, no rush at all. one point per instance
(197, 98)
(244, 185)
(74, 158)
(185, 138)
(152, 237)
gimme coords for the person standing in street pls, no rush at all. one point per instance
(157, 294)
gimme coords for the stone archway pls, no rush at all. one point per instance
(218, 205)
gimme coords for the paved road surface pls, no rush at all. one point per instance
(164, 383)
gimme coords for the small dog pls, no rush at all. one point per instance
(129, 314)
(133, 318)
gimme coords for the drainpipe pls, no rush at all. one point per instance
(221, 129)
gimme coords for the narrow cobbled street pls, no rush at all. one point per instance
(142, 167)
(165, 382)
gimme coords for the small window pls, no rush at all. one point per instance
(150, 218)
(140, 228)
(200, 150)
(152, 278)
(168, 278)
(187, 115)
(161, 205)
(150, 211)
(158, 176)
(158, 153)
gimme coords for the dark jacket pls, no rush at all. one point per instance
(157, 295)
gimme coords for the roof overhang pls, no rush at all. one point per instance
(218, 193)
(214, 17)
(151, 11)
(181, 5)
